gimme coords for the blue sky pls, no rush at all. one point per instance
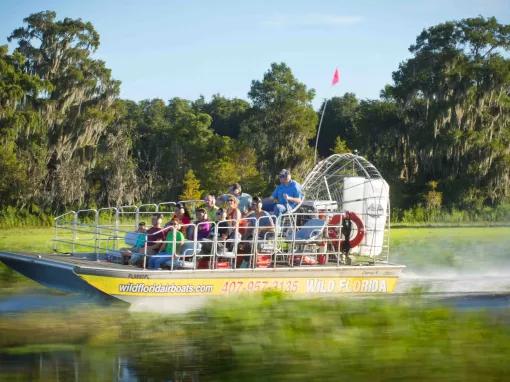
(187, 48)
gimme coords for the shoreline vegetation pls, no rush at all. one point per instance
(413, 217)
(438, 133)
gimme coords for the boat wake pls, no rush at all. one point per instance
(455, 282)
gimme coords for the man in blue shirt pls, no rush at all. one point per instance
(287, 194)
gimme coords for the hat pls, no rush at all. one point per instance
(284, 172)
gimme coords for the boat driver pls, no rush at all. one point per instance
(287, 195)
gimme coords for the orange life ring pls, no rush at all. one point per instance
(336, 220)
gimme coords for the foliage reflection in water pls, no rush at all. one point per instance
(268, 337)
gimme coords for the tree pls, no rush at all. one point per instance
(340, 147)
(454, 98)
(280, 123)
(234, 163)
(227, 114)
(114, 180)
(151, 132)
(23, 145)
(186, 144)
(191, 187)
(339, 121)
(77, 106)
(433, 198)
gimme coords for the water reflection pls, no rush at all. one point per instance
(74, 366)
(48, 299)
(83, 365)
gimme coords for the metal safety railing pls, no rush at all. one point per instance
(290, 240)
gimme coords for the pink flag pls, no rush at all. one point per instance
(336, 77)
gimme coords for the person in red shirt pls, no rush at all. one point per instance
(155, 235)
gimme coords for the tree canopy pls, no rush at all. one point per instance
(76, 104)
(454, 99)
(281, 121)
(440, 132)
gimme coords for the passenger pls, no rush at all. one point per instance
(156, 262)
(223, 226)
(142, 234)
(223, 230)
(235, 220)
(265, 222)
(182, 215)
(265, 227)
(287, 195)
(244, 198)
(233, 213)
(155, 238)
(210, 206)
(137, 248)
(203, 225)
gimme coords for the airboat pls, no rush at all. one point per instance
(336, 241)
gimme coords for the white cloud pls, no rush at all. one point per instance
(312, 20)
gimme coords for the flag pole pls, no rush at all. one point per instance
(336, 79)
(319, 131)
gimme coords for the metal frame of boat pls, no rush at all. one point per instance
(306, 253)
